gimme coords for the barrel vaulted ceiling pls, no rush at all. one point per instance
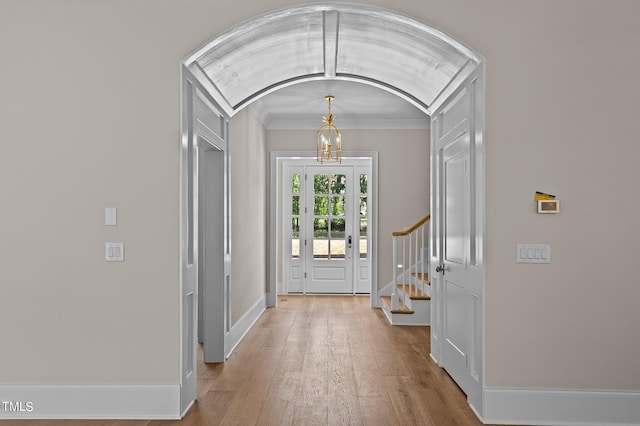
(387, 51)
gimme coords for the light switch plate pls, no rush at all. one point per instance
(110, 216)
(533, 253)
(114, 252)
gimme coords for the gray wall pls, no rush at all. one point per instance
(89, 119)
(248, 212)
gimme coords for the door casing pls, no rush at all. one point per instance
(277, 162)
(293, 271)
(203, 127)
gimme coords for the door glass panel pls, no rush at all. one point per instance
(363, 247)
(320, 238)
(295, 248)
(337, 249)
(295, 183)
(295, 205)
(321, 206)
(363, 183)
(337, 239)
(295, 227)
(329, 210)
(321, 184)
(295, 216)
(337, 206)
(363, 238)
(320, 228)
(363, 206)
(337, 228)
(295, 237)
(338, 184)
(321, 248)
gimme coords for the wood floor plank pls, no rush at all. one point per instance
(279, 328)
(378, 410)
(343, 403)
(248, 402)
(407, 403)
(279, 404)
(312, 402)
(368, 385)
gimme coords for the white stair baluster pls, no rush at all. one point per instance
(394, 296)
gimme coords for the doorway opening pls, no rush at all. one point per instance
(361, 43)
(327, 217)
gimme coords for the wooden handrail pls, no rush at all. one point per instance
(413, 228)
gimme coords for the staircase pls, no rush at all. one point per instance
(406, 300)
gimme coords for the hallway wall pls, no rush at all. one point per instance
(89, 118)
(248, 212)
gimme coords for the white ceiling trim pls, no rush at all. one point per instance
(313, 122)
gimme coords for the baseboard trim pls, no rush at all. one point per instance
(243, 325)
(135, 402)
(561, 407)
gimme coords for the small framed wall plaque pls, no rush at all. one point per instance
(548, 206)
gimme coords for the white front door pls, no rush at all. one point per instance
(329, 229)
(326, 233)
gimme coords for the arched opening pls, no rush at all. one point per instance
(332, 41)
(390, 51)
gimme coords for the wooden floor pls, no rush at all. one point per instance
(322, 360)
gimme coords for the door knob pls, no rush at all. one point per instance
(349, 241)
(440, 268)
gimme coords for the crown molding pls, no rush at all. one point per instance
(312, 122)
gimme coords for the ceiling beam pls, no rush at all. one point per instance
(330, 20)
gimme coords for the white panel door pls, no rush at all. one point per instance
(329, 229)
(455, 190)
(457, 247)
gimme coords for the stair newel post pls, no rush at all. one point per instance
(409, 266)
(417, 253)
(404, 261)
(394, 296)
(422, 276)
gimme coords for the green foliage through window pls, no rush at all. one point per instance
(363, 183)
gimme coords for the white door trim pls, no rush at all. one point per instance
(201, 119)
(290, 167)
(274, 210)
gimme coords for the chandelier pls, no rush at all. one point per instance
(328, 139)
